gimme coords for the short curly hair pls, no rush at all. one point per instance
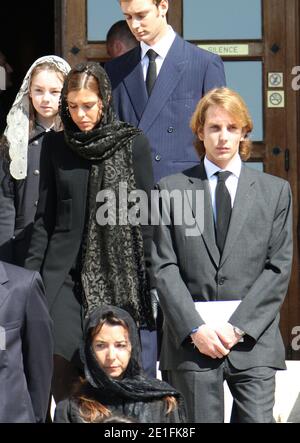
(231, 102)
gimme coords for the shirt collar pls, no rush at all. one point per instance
(44, 128)
(234, 167)
(162, 46)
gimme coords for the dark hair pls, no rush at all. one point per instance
(121, 31)
(82, 80)
(91, 409)
(118, 419)
(109, 319)
(90, 76)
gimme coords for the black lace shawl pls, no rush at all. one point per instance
(134, 386)
(112, 261)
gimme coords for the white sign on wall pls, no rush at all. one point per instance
(276, 99)
(227, 50)
(275, 79)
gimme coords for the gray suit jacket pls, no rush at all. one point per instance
(25, 346)
(254, 267)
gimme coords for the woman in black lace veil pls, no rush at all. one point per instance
(114, 383)
(84, 242)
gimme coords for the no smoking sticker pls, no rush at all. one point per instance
(275, 99)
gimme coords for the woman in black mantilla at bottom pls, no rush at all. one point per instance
(87, 259)
(114, 382)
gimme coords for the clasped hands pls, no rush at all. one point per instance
(216, 343)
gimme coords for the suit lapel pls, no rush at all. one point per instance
(171, 72)
(198, 181)
(134, 82)
(4, 293)
(242, 205)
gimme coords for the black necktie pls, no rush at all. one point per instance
(151, 72)
(223, 209)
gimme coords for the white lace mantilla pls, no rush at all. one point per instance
(17, 129)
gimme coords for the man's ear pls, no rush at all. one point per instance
(163, 7)
(118, 45)
(200, 135)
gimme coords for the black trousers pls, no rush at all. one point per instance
(149, 351)
(253, 392)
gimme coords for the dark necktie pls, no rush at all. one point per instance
(223, 209)
(151, 72)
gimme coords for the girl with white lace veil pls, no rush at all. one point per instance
(33, 113)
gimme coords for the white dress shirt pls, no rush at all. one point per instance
(161, 48)
(234, 167)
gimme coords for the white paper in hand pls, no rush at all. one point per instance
(216, 313)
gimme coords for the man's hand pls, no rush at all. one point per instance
(227, 335)
(208, 342)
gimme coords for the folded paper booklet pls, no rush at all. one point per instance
(216, 313)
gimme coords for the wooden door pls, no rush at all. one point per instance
(277, 50)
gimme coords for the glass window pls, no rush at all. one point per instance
(221, 20)
(101, 14)
(246, 79)
(258, 166)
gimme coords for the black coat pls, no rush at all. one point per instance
(19, 199)
(153, 411)
(60, 218)
(134, 395)
(25, 346)
(59, 226)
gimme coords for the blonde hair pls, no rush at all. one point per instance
(231, 102)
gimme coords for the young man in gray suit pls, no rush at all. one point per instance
(159, 96)
(232, 255)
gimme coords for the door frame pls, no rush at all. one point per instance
(279, 51)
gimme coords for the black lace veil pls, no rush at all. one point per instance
(135, 385)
